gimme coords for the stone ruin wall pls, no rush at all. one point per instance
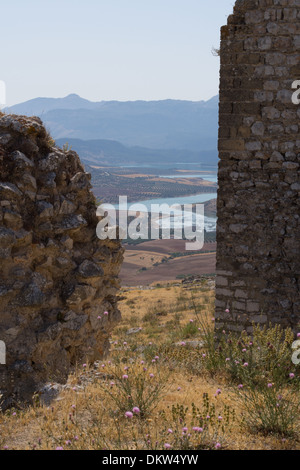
(258, 233)
(56, 277)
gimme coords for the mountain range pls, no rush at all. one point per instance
(170, 129)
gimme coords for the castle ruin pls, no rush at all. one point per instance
(58, 282)
(258, 233)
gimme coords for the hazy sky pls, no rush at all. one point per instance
(111, 49)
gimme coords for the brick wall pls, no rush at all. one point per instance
(258, 233)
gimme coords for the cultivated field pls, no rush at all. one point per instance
(110, 184)
(152, 262)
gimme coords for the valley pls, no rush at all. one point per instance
(154, 261)
(140, 184)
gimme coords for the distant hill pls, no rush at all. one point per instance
(41, 106)
(168, 124)
(210, 208)
(112, 153)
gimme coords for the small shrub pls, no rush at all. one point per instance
(133, 386)
(189, 330)
(66, 147)
(153, 314)
(270, 410)
(197, 429)
(262, 366)
(266, 355)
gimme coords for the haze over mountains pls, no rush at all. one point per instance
(114, 132)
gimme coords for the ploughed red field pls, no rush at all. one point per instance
(148, 262)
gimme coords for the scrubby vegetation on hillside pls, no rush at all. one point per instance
(166, 386)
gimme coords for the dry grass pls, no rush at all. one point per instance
(82, 416)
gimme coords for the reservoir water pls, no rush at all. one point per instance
(209, 222)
